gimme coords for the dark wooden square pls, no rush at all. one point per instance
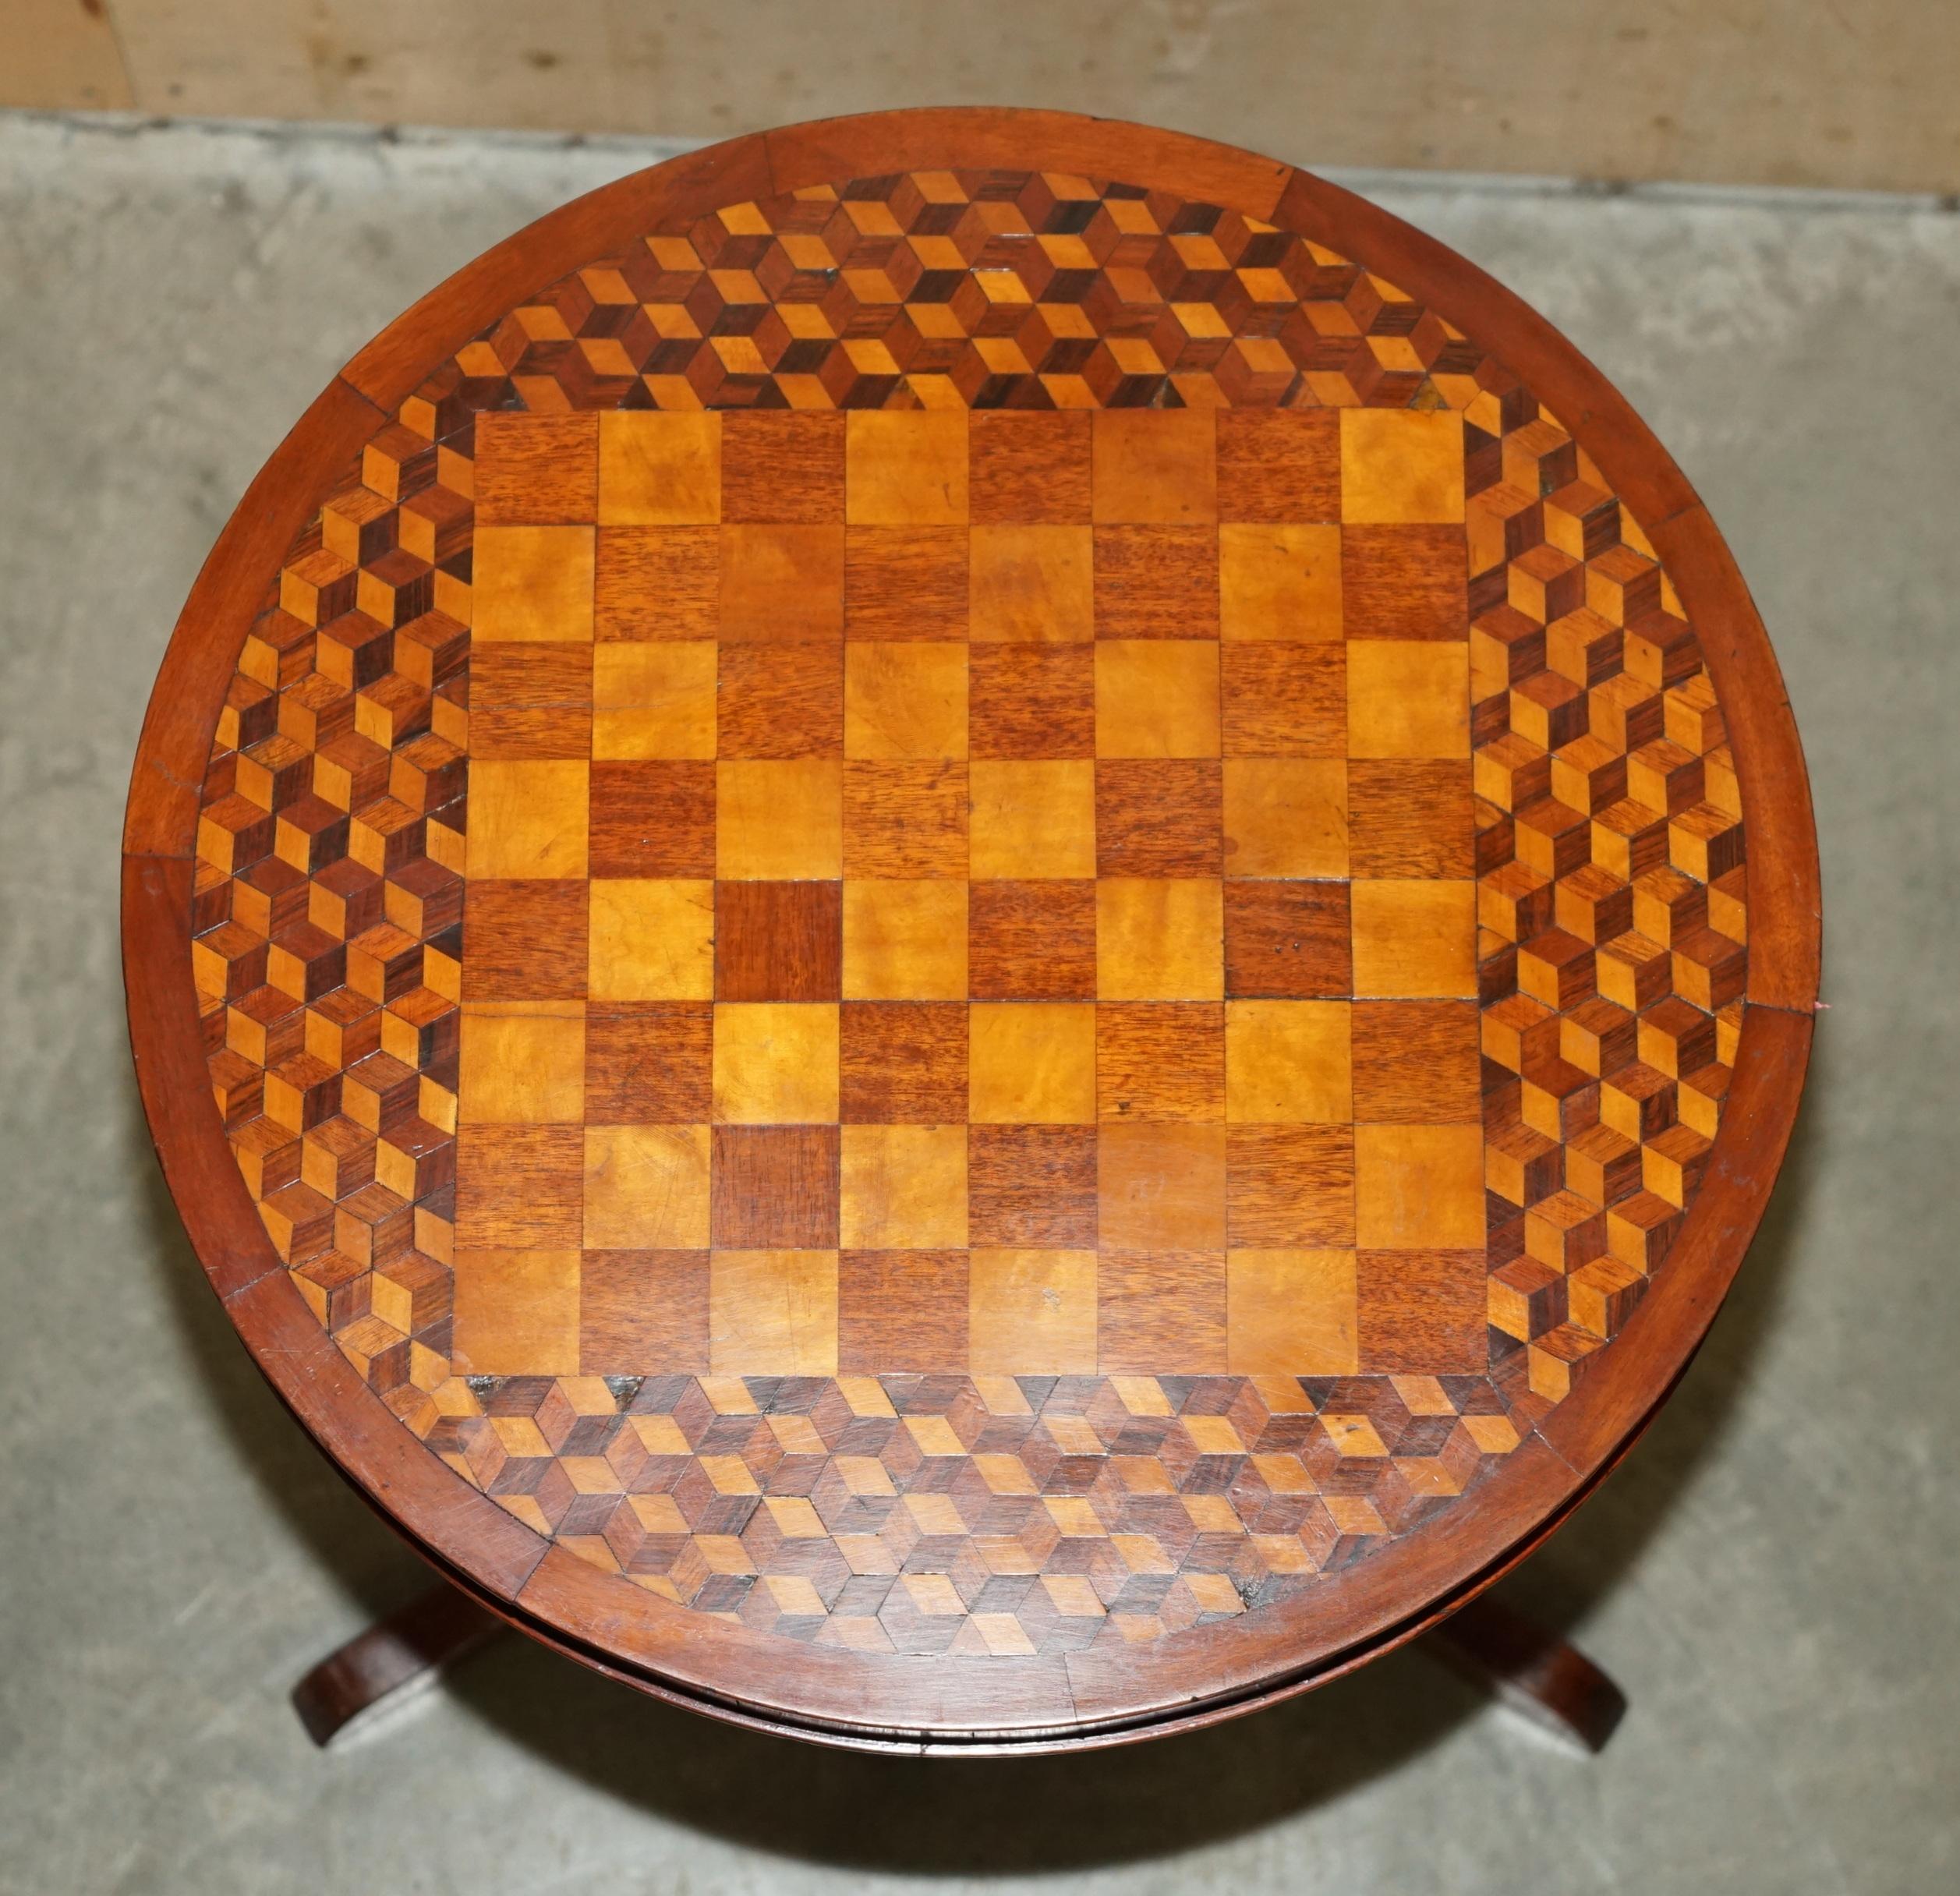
(779, 469)
(520, 1187)
(773, 1187)
(537, 470)
(1279, 464)
(525, 941)
(1157, 582)
(1160, 1188)
(1412, 817)
(525, 674)
(1031, 941)
(1159, 816)
(497, 733)
(652, 818)
(643, 1313)
(1415, 1063)
(1283, 700)
(779, 941)
(900, 1311)
(782, 585)
(1032, 1186)
(1290, 1186)
(779, 701)
(530, 699)
(1028, 700)
(1028, 467)
(649, 1062)
(1404, 583)
(1160, 1060)
(1287, 941)
(902, 1063)
(905, 582)
(656, 583)
(904, 821)
(1422, 1312)
(1160, 1313)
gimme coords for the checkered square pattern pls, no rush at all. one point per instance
(1017, 1045)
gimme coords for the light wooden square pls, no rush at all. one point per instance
(1031, 1063)
(1285, 816)
(522, 1062)
(651, 940)
(1418, 1187)
(776, 1062)
(780, 820)
(905, 941)
(772, 1313)
(1399, 466)
(532, 583)
(902, 699)
(907, 469)
(1290, 1313)
(527, 819)
(654, 700)
(659, 469)
(1032, 820)
(1159, 940)
(903, 1188)
(1414, 938)
(1279, 582)
(1288, 1062)
(1031, 1313)
(516, 1313)
(1408, 698)
(646, 1187)
(1031, 583)
(1157, 698)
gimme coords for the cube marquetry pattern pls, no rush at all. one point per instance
(971, 913)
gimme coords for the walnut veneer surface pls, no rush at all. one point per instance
(975, 918)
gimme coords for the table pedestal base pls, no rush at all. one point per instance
(1527, 1668)
(1533, 1671)
(411, 1648)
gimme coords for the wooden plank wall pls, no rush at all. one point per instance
(1793, 91)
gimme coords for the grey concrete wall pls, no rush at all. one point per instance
(1772, 1573)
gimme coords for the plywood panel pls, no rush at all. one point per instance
(1764, 91)
(62, 55)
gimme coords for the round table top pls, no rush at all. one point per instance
(970, 928)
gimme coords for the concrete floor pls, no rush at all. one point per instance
(1772, 1576)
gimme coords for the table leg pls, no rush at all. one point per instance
(412, 1646)
(1533, 1671)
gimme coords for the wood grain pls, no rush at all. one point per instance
(65, 58)
(1686, 102)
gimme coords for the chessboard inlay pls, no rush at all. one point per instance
(824, 1009)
